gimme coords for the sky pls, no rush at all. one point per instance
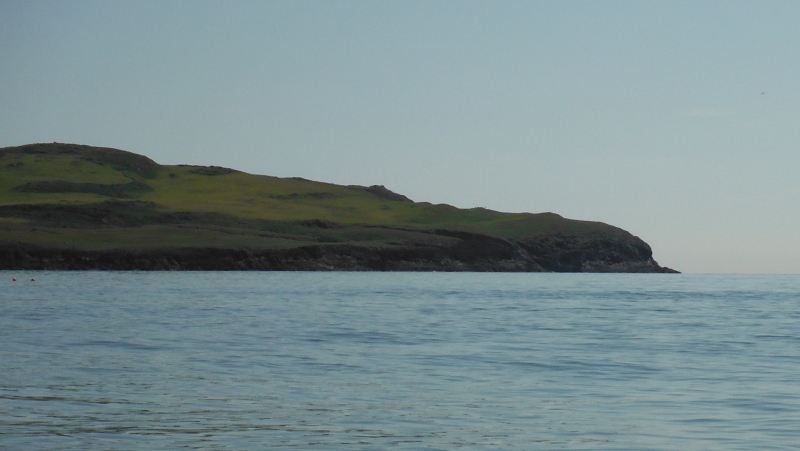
(678, 121)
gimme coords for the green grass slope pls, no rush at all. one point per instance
(82, 197)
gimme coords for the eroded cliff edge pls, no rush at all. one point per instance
(618, 252)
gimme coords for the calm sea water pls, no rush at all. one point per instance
(407, 361)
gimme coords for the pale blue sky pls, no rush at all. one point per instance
(677, 121)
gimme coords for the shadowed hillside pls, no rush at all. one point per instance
(80, 207)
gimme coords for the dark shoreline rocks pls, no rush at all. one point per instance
(618, 253)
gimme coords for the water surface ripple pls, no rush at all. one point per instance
(407, 361)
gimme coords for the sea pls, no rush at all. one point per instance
(399, 361)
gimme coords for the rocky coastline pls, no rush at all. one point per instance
(618, 253)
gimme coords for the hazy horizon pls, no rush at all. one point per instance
(675, 121)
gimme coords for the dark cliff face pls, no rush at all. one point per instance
(614, 252)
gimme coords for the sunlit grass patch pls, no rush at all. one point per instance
(198, 206)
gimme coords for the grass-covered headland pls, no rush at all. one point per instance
(67, 206)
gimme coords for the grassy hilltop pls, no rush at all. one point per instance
(67, 196)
